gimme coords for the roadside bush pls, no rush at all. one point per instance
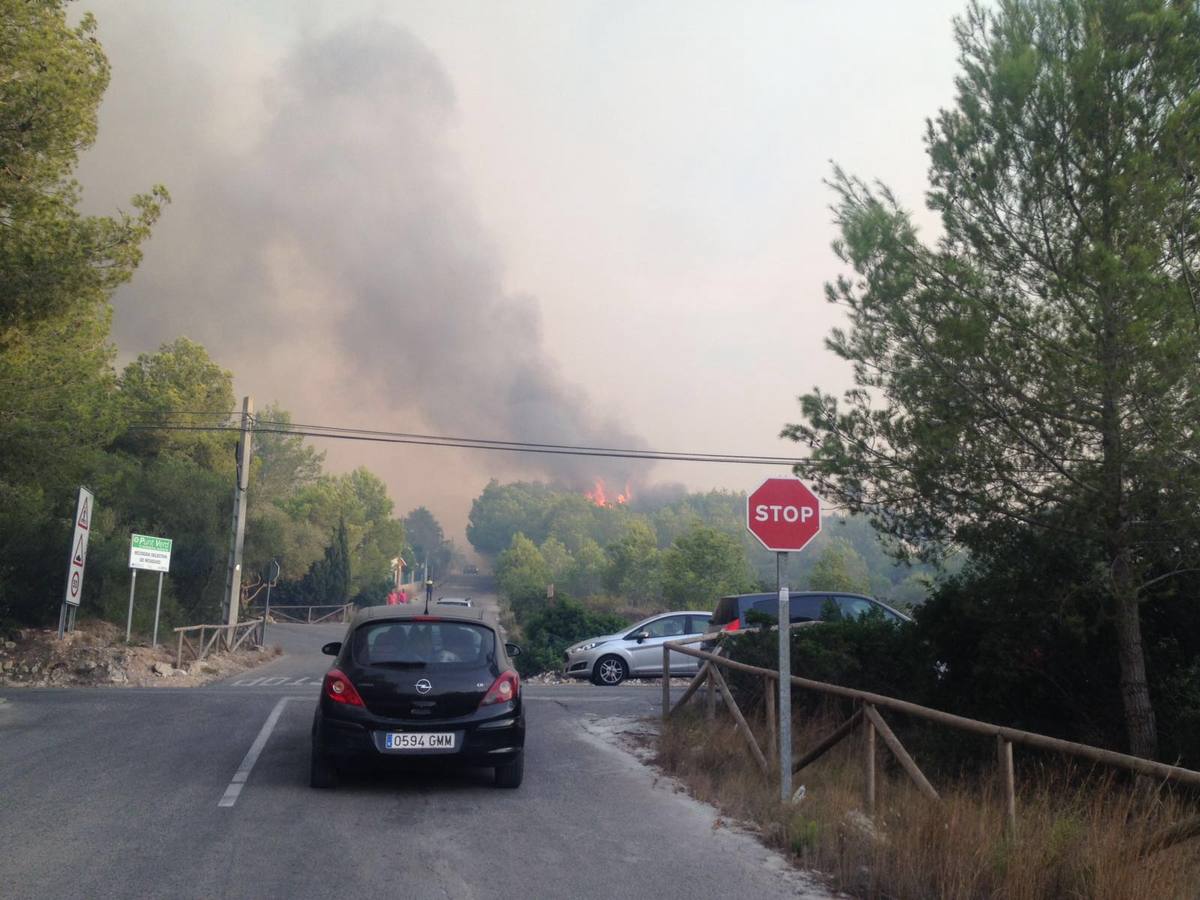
(552, 628)
(871, 654)
(374, 594)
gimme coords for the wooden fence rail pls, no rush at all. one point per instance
(227, 637)
(308, 615)
(868, 718)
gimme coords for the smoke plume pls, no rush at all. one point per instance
(335, 261)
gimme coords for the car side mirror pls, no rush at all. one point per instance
(641, 636)
(333, 648)
(512, 649)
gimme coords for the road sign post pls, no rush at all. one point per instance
(152, 554)
(157, 607)
(784, 515)
(84, 508)
(129, 619)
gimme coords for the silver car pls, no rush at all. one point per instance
(636, 652)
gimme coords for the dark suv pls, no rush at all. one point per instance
(805, 606)
(407, 685)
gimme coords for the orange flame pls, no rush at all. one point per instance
(599, 495)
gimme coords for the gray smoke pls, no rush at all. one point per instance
(340, 256)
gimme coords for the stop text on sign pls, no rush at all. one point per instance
(777, 513)
(783, 514)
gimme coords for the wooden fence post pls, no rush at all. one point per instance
(742, 724)
(710, 697)
(179, 653)
(868, 764)
(902, 757)
(1004, 750)
(697, 680)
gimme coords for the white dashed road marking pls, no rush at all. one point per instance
(276, 681)
(230, 796)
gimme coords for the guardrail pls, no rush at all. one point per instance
(308, 615)
(867, 717)
(227, 637)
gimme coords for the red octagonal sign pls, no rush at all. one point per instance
(783, 514)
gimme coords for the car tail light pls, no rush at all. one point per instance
(503, 689)
(340, 689)
(735, 625)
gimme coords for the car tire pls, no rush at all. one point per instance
(321, 772)
(610, 671)
(511, 774)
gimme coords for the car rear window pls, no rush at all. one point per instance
(801, 609)
(423, 643)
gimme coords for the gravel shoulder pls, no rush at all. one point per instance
(95, 654)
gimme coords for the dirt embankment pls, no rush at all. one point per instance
(95, 654)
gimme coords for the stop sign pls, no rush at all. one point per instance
(783, 514)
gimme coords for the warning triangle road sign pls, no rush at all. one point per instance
(85, 513)
(80, 550)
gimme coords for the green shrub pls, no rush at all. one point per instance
(555, 626)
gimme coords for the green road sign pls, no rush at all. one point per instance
(153, 553)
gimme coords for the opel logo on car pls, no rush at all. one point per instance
(423, 686)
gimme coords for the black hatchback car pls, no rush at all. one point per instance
(408, 685)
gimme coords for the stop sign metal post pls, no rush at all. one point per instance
(785, 515)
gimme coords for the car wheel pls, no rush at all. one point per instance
(321, 773)
(510, 775)
(610, 671)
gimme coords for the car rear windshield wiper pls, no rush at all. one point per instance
(400, 663)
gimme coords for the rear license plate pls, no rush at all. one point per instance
(418, 741)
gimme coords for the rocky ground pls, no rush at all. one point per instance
(95, 653)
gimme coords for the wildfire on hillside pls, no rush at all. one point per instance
(599, 495)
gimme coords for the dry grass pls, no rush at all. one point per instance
(1077, 837)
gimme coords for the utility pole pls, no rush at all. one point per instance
(233, 577)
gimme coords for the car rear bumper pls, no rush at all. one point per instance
(486, 743)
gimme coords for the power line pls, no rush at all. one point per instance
(531, 445)
(466, 443)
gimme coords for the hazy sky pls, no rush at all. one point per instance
(557, 221)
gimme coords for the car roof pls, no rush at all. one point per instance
(743, 600)
(678, 612)
(760, 594)
(417, 611)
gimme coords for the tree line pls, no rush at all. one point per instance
(1026, 382)
(608, 565)
(69, 416)
(667, 552)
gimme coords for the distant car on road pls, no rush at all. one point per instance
(636, 651)
(470, 570)
(464, 602)
(732, 612)
(406, 686)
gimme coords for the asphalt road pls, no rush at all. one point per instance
(122, 792)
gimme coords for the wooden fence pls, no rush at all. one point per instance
(308, 615)
(223, 637)
(867, 717)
